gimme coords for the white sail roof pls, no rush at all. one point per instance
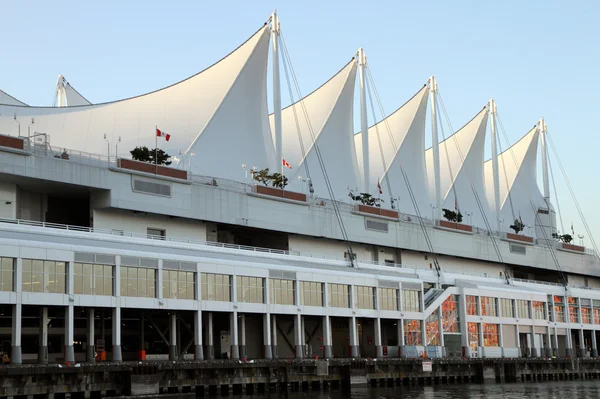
(461, 163)
(399, 139)
(330, 113)
(7, 99)
(74, 98)
(518, 181)
(220, 114)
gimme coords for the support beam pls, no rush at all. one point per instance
(378, 347)
(198, 350)
(298, 333)
(594, 345)
(364, 120)
(435, 144)
(16, 354)
(116, 335)
(69, 327)
(43, 345)
(274, 330)
(581, 343)
(353, 328)
(210, 346)
(173, 336)
(242, 320)
(501, 339)
(233, 331)
(277, 93)
(327, 345)
(91, 336)
(268, 348)
(496, 171)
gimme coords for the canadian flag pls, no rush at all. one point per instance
(160, 133)
(379, 187)
(286, 164)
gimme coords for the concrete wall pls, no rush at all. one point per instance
(421, 260)
(114, 219)
(8, 200)
(330, 248)
(509, 336)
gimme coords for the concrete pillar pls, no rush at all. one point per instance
(501, 339)
(298, 336)
(268, 349)
(548, 343)
(173, 336)
(210, 347)
(198, 350)
(16, 354)
(274, 336)
(353, 328)
(327, 344)
(441, 326)
(555, 342)
(569, 338)
(116, 334)
(481, 341)
(518, 339)
(242, 335)
(581, 343)
(43, 345)
(378, 347)
(464, 336)
(233, 331)
(69, 327)
(91, 336)
(594, 345)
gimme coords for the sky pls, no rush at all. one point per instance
(535, 58)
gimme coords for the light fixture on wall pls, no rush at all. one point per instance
(8, 202)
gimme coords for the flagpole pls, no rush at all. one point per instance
(282, 175)
(155, 149)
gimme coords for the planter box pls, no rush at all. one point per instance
(456, 226)
(516, 237)
(12, 142)
(572, 247)
(279, 193)
(151, 168)
(373, 210)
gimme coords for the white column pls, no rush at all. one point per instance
(117, 278)
(569, 340)
(501, 339)
(464, 336)
(274, 335)
(496, 171)
(267, 336)
(69, 326)
(173, 336)
(17, 315)
(364, 122)
(435, 143)
(353, 328)
(518, 340)
(159, 280)
(581, 343)
(378, 346)
(276, 93)
(116, 334)
(298, 336)
(594, 344)
(199, 350)
(546, 180)
(441, 325)
(43, 345)
(242, 335)
(211, 338)
(327, 344)
(91, 336)
(233, 331)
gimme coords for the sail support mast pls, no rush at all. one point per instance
(277, 94)
(542, 127)
(364, 122)
(435, 144)
(496, 171)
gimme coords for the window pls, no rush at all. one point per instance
(523, 309)
(178, 284)
(388, 299)
(573, 310)
(216, 287)
(506, 308)
(311, 293)
(490, 335)
(472, 305)
(44, 276)
(412, 332)
(339, 296)
(282, 291)
(473, 335)
(156, 233)
(411, 301)
(365, 297)
(7, 267)
(538, 310)
(559, 309)
(432, 329)
(250, 289)
(138, 282)
(586, 315)
(488, 306)
(450, 314)
(92, 279)
(596, 316)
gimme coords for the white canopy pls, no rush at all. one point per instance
(74, 98)
(6, 98)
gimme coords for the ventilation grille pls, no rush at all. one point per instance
(139, 262)
(148, 187)
(99, 259)
(282, 275)
(518, 249)
(175, 265)
(376, 225)
(388, 284)
(411, 286)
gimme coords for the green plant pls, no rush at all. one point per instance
(155, 156)
(262, 176)
(566, 238)
(278, 180)
(366, 199)
(452, 216)
(518, 226)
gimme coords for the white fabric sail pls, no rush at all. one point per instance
(74, 98)
(329, 125)
(7, 99)
(461, 164)
(399, 139)
(220, 114)
(518, 181)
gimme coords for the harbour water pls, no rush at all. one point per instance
(546, 390)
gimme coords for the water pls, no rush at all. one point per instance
(546, 390)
